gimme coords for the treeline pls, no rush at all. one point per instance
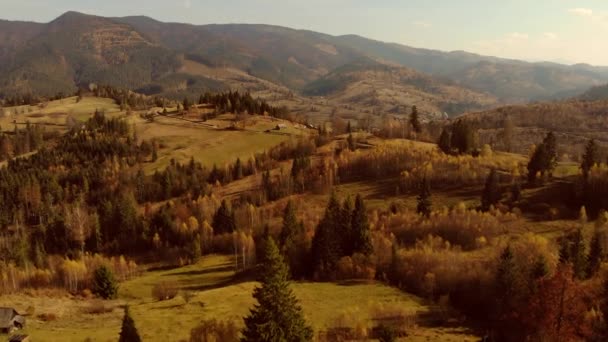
(21, 141)
(237, 103)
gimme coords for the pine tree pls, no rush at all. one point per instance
(326, 246)
(491, 192)
(361, 234)
(596, 253)
(223, 221)
(277, 316)
(351, 142)
(186, 104)
(104, 283)
(445, 142)
(289, 232)
(345, 227)
(590, 158)
(578, 256)
(424, 207)
(415, 120)
(128, 331)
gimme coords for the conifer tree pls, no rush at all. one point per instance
(128, 331)
(491, 192)
(596, 253)
(351, 142)
(327, 244)
(345, 227)
(590, 158)
(424, 207)
(289, 232)
(445, 142)
(361, 234)
(415, 120)
(277, 316)
(186, 104)
(223, 221)
(104, 283)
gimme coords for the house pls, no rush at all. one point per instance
(10, 319)
(19, 338)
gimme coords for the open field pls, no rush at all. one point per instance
(217, 295)
(56, 112)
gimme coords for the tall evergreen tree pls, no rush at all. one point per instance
(345, 227)
(277, 316)
(596, 253)
(491, 192)
(590, 158)
(223, 221)
(424, 207)
(104, 283)
(128, 331)
(327, 243)
(445, 144)
(361, 234)
(289, 232)
(415, 120)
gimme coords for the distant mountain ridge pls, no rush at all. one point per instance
(138, 52)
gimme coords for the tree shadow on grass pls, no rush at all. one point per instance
(227, 267)
(238, 278)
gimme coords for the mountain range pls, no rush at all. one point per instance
(172, 59)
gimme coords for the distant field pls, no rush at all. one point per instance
(211, 142)
(219, 296)
(56, 112)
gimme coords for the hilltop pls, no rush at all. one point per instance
(173, 59)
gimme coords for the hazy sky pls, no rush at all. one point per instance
(555, 30)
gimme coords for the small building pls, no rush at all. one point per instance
(19, 338)
(10, 320)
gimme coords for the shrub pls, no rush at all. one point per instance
(165, 290)
(97, 307)
(104, 283)
(213, 330)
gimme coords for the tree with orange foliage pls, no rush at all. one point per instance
(557, 312)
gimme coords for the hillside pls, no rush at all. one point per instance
(380, 88)
(142, 53)
(574, 121)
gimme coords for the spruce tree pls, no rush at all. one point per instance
(128, 331)
(345, 227)
(445, 142)
(361, 234)
(327, 243)
(596, 253)
(579, 255)
(424, 198)
(491, 192)
(415, 120)
(289, 232)
(104, 283)
(590, 158)
(223, 221)
(277, 316)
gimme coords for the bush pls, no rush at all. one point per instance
(164, 290)
(104, 283)
(97, 307)
(213, 330)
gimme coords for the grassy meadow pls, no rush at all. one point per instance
(217, 294)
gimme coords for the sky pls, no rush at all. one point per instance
(565, 31)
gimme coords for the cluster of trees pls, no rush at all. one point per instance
(343, 231)
(237, 103)
(20, 141)
(544, 158)
(460, 138)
